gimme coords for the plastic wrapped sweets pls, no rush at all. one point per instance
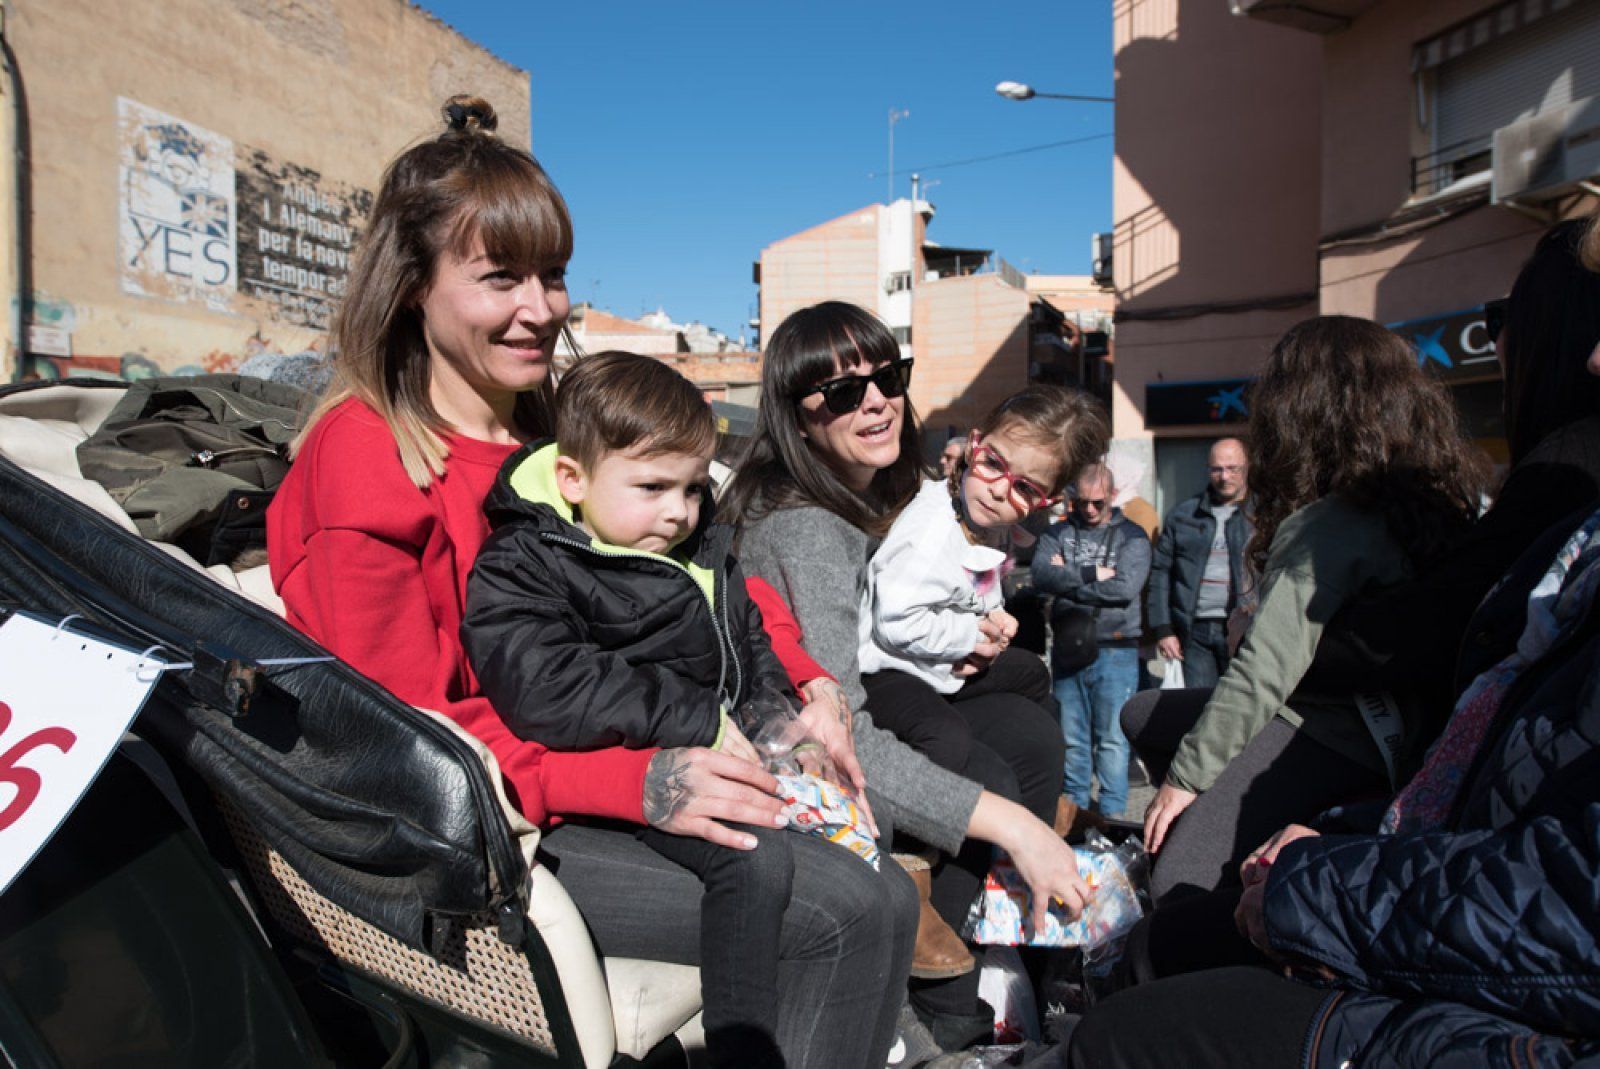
(1002, 913)
(807, 781)
(819, 807)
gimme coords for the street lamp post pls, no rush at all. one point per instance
(1019, 91)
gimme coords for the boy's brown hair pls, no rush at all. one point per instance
(615, 401)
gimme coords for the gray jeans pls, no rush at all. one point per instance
(844, 950)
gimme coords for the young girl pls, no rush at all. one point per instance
(932, 617)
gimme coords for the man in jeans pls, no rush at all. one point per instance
(1096, 561)
(1197, 575)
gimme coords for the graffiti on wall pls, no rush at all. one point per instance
(203, 219)
(176, 216)
(296, 235)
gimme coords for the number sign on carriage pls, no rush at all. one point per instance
(65, 701)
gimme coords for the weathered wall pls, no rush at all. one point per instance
(970, 337)
(1370, 134)
(834, 261)
(200, 169)
(1215, 191)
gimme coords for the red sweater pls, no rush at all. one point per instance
(376, 571)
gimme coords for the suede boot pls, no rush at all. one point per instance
(940, 953)
(1072, 821)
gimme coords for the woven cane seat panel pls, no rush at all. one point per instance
(476, 975)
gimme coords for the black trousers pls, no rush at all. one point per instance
(1001, 731)
(1234, 1018)
(1282, 777)
(1009, 708)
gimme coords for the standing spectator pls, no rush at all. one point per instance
(954, 450)
(1095, 563)
(1196, 577)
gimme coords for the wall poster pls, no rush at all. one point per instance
(296, 234)
(176, 209)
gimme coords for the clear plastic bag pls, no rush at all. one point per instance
(1116, 875)
(814, 801)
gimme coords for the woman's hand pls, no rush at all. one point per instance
(1165, 807)
(1042, 858)
(1170, 648)
(1250, 916)
(692, 790)
(1254, 868)
(827, 717)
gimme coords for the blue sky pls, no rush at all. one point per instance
(687, 136)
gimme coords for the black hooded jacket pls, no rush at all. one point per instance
(580, 645)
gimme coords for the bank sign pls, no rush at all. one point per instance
(1455, 346)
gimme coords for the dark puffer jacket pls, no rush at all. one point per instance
(579, 645)
(1180, 558)
(1479, 944)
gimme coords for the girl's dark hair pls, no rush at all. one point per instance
(779, 469)
(1343, 408)
(437, 197)
(1552, 325)
(614, 401)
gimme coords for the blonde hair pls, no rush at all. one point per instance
(439, 197)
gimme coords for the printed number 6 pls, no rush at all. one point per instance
(26, 780)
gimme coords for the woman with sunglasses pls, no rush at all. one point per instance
(935, 656)
(833, 459)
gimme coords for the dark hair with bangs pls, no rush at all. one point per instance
(780, 469)
(439, 197)
(1552, 325)
(1071, 422)
(1343, 408)
(613, 401)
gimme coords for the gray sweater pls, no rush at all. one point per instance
(818, 563)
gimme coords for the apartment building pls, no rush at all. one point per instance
(975, 326)
(1393, 159)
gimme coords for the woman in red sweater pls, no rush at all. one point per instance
(445, 345)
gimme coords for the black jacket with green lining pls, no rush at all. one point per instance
(580, 646)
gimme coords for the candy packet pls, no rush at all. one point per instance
(807, 781)
(1002, 913)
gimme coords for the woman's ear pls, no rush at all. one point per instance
(571, 482)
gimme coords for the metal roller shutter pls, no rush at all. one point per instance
(1546, 65)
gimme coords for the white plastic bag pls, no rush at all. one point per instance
(1172, 675)
(1005, 986)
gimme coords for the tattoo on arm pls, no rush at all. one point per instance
(666, 787)
(829, 691)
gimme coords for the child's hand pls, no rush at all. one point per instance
(734, 744)
(1006, 623)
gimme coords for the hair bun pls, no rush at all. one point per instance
(468, 114)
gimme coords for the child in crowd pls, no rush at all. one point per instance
(605, 610)
(933, 608)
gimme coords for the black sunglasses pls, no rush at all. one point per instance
(1494, 317)
(844, 394)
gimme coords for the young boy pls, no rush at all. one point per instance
(604, 610)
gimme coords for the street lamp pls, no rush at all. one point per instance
(1019, 91)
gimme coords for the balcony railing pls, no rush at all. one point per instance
(1449, 165)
